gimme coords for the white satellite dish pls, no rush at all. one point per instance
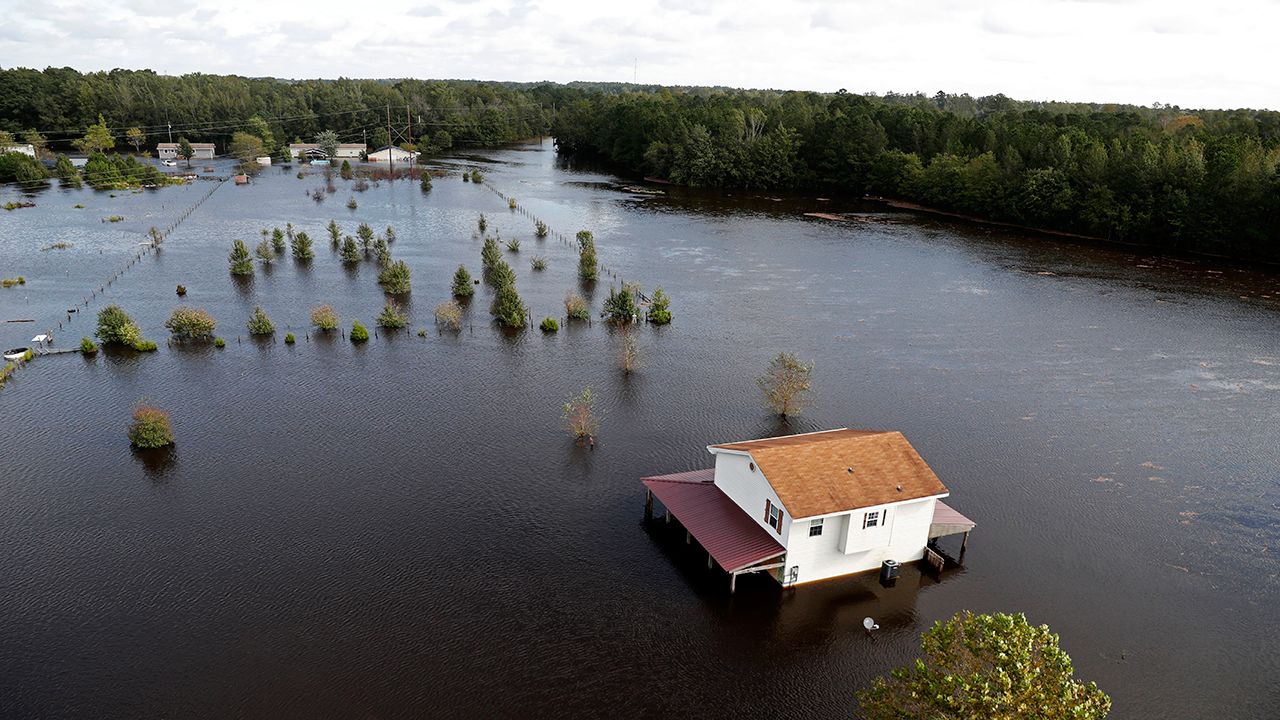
(869, 624)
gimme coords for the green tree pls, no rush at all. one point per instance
(507, 308)
(345, 170)
(97, 139)
(187, 323)
(301, 247)
(259, 128)
(247, 149)
(277, 241)
(588, 268)
(259, 323)
(115, 327)
(660, 307)
(67, 173)
(986, 666)
(335, 235)
(359, 333)
(787, 385)
(394, 278)
(150, 428)
(265, 252)
(575, 307)
(500, 275)
(185, 151)
(240, 260)
(136, 137)
(392, 316)
(350, 253)
(490, 253)
(621, 306)
(462, 284)
(327, 142)
(579, 416)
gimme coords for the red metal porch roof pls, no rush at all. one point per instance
(720, 526)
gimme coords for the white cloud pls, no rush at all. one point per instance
(1138, 51)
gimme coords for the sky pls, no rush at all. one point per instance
(1175, 52)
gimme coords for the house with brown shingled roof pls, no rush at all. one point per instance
(812, 506)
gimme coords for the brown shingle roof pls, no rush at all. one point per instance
(811, 475)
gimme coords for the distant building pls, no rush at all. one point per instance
(169, 151)
(812, 506)
(24, 148)
(312, 151)
(392, 154)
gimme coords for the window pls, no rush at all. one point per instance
(775, 518)
(815, 527)
(871, 519)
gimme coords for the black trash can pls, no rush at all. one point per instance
(889, 570)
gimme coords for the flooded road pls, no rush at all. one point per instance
(403, 529)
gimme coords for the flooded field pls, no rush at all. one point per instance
(403, 529)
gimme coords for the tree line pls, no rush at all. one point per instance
(1175, 179)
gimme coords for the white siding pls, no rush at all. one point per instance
(844, 547)
(749, 490)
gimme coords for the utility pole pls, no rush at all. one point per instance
(391, 162)
(409, 119)
(170, 131)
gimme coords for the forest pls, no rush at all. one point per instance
(1166, 177)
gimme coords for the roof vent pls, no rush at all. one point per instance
(849, 469)
(899, 488)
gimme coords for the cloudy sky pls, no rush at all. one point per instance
(1193, 54)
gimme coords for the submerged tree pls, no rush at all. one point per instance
(185, 151)
(540, 229)
(350, 253)
(575, 307)
(588, 268)
(660, 308)
(277, 241)
(259, 323)
(241, 262)
(392, 316)
(302, 251)
(394, 278)
(335, 235)
(621, 306)
(150, 428)
(482, 223)
(449, 314)
(986, 666)
(327, 142)
(786, 385)
(462, 284)
(188, 323)
(115, 327)
(323, 317)
(490, 254)
(265, 252)
(628, 351)
(507, 308)
(579, 416)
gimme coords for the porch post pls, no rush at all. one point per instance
(963, 544)
(648, 504)
(733, 580)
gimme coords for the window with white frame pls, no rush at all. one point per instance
(871, 519)
(775, 517)
(815, 527)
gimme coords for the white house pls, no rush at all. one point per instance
(25, 148)
(200, 151)
(392, 154)
(812, 506)
(345, 151)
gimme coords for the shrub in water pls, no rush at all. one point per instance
(549, 324)
(482, 223)
(241, 262)
(426, 182)
(462, 286)
(259, 323)
(575, 307)
(190, 324)
(540, 229)
(394, 278)
(358, 332)
(466, 176)
(335, 234)
(115, 327)
(351, 204)
(514, 245)
(324, 318)
(507, 308)
(391, 316)
(265, 252)
(182, 290)
(620, 306)
(660, 309)
(477, 176)
(219, 343)
(539, 263)
(289, 339)
(511, 203)
(579, 415)
(449, 314)
(87, 346)
(145, 346)
(150, 428)
(277, 241)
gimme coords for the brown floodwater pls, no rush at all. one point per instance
(402, 529)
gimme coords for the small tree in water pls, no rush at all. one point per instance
(277, 241)
(394, 278)
(508, 308)
(259, 323)
(241, 262)
(302, 247)
(150, 428)
(786, 385)
(660, 308)
(187, 323)
(324, 318)
(265, 252)
(986, 666)
(621, 306)
(449, 314)
(350, 253)
(482, 223)
(580, 417)
(392, 316)
(462, 285)
(335, 235)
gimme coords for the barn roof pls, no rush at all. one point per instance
(837, 470)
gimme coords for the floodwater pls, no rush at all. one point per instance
(402, 529)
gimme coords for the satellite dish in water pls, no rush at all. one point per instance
(870, 624)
